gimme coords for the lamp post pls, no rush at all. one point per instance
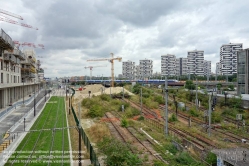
(34, 100)
(23, 93)
(166, 106)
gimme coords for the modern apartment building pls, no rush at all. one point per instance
(181, 66)
(243, 71)
(145, 68)
(168, 65)
(128, 69)
(15, 68)
(217, 70)
(228, 58)
(207, 68)
(196, 62)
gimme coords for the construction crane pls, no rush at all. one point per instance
(29, 44)
(6, 19)
(91, 69)
(112, 63)
(10, 14)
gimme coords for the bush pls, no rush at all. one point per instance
(117, 153)
(173, 118)
(124, 122)
(95, 111)
(87, 102)
(105, 97)
(211, 158)
(184, 159)
(216, 117)
(159, 99)
(194, 113)
(130, 112)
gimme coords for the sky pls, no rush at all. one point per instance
(75, 31)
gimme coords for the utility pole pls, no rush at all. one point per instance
(123, 92)
(23, 93)
(79, 136)
(24, 124)
(209, 116)
(196, 96)
(141, 100)
(166, 106)
(34, 100)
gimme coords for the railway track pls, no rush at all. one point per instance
(128, 136)
(180, 132)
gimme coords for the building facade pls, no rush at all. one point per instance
(145, 68)
(196, 62)
(207, 68)
(128, 69)
(181, 66)
(243, 71)
(228, 58)
(13, 73)
(217, 69)
(168, 65)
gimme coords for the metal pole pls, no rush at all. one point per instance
(69, 105)
(34, 100)
(166, 106)
(24, 123)
(110, 90)
(196, 96)
(23, 93)
(79, 136)
(141, 100)
(123, 92)
(209, 115)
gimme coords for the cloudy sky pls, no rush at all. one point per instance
(77, 30)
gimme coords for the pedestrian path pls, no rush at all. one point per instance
(14, 118)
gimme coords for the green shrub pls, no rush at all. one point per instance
(184, 159)
(87, 102)
(211, 158)
(216, 117)
(173, 118)
(95, 111)
(193, 112)
(105, 97)
(159, 99)
(117, 153)
(124, 122)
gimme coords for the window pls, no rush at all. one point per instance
(7, 78)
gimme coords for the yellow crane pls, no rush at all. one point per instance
(112, 63)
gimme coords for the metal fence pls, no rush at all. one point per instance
(90, 149)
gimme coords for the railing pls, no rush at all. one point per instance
(90, 149)
(7, 38)
(15, 105)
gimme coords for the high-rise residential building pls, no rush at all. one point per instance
(243, 71)
(137, 72)
(196, 62)
(145, 68)
(228, 58)
(168, 65)
(181, 66)
(128, 69)
(217, 69)
(207, 68)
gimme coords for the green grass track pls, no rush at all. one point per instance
(48, 147)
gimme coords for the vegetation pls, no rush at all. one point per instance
(117, 153)
(52, 116)
(173, 118)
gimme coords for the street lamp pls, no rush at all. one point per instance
(34, 99)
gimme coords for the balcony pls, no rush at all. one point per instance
(27, 75)
(9, 58)
(6, 41)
